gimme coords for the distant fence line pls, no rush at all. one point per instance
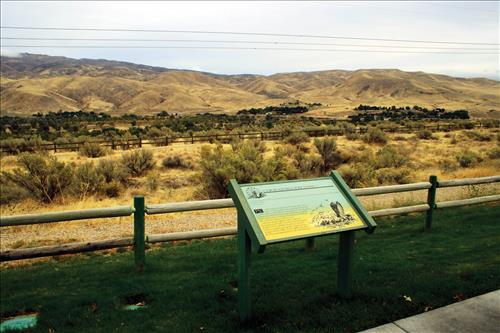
(126, 144)
(140, 210)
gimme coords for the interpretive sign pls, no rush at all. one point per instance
(298, 209)
(283, 211)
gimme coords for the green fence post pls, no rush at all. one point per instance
(431, 201)
(244, 252)
(139, 241)
(344, 263)
(310, 246)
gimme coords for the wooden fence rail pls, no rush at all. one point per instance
(141, 210)
(225, 137)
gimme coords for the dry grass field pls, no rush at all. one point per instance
(427, 157)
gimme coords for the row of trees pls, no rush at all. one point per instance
(394, 113)
(281, 110)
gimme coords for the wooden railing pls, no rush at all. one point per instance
(228, 137)
(140, 210)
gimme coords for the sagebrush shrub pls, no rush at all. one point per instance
(112, 171)
(352, 136)
(42, 176)
(468, 159)
(327, 149)
(477, 136)
(425, 135)
(87, 180)
(176, 162)
(112, 189)
(389, 176)
(138, 162)
(494, 153)
(390, 157)
(152, 181)
(245, 163)
(10, 192)
(375, 135)
(92, 150)
(358, 174)
(307, 165)
(296, 138)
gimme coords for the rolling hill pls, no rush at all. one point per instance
(37, 83)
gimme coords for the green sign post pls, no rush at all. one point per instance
(283, 211)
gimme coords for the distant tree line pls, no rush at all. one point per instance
(394, 113)
(283, 110)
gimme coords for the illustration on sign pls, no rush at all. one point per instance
(300, 208)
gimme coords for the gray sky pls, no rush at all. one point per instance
(446, 21)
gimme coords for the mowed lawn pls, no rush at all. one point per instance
(191, 287)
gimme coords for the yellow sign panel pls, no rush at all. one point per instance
(295, 209)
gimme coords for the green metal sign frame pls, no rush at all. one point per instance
(251, 235)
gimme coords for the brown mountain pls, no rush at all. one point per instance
(37, 83)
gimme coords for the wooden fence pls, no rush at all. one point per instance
(140, 210)
(228, 137)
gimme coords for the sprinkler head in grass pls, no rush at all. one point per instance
(135, 307)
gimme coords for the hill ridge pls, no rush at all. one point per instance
(34, 83)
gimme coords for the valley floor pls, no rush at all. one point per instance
(426, 158)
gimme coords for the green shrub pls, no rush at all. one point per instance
(494, 153)
(352, 136)
(347, 128)
(16, 146)
(468, 159)
(307, 165)
(358, 174)
(425, 135)
(448, 165)
(244, 163)
(138, 162)
(111, 171)
(390, 157)
(476, 136)
(10, 192)
(375, 135)
(87, 180)
(327, 149)
(92, 150)
(467, 124)
(112, 189)
(43, 177)
(170, 162)
(296, 138)
(152, 181)
(389, 176)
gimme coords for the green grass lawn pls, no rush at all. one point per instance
(190, 287)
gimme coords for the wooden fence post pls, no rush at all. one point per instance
(139, 240)
(140, 143)
(55, 147)
(431, 201)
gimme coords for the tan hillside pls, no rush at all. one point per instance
(37, 83)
